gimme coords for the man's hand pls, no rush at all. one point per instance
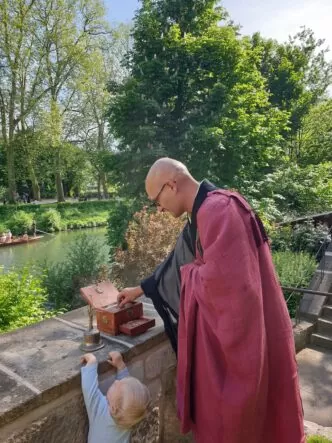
(128, 295)
(88, 359)
(115, 359)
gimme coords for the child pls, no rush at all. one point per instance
(125, 404)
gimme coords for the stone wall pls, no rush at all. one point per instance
(41, 399)
(65, 420)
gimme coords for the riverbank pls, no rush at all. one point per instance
(53, 217)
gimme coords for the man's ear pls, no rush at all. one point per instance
(114, 409)
(174, 186)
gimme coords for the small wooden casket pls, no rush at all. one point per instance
(103, 298)
(136, 327)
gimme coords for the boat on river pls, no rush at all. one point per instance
(20, 240)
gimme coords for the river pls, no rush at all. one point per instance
(51, 248)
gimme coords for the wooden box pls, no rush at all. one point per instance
(109, 318)
(136, 327)
(103, 298)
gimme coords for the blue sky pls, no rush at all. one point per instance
(273, 18)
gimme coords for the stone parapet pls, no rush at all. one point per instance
(41, 399)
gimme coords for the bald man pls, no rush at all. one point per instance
(237, 376)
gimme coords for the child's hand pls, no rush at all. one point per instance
(115, 359)
(88, 359)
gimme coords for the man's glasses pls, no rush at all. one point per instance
(155, 201)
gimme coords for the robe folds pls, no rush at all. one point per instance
(237, 376)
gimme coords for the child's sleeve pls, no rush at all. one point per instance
(93, 398)
(122, 374)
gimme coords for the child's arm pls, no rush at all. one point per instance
(93, 398)
(115, 359)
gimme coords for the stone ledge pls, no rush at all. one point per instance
(302, 333)
(40, 363)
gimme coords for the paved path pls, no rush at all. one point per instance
(315, 371)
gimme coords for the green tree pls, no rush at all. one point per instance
(195, 94)
(297, 75)
(315, 137)
(69, 29)
(21, 69)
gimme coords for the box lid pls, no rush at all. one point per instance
(100, 295)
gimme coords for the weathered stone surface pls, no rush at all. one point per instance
(148, 430)
(159, 361)
(65, 424)
(47, 353)
(12, 393)
(311, 428)
(155, 389)
(302, 333)
(315, 374)
(169, 423)
(136, 369)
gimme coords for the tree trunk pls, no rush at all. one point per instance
(98, 187)
(59, 188)
(11, 173)
(104, 184)
(34, 182)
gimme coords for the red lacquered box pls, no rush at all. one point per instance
(136, 327)
(103, 298)
(109, 318)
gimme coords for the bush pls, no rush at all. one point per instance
(295, 270)
(20, 223)
(150, 237)
(50, 221)
(3, 228)
(318, 439)
(22, 300)
(304, 237)
(118, 221)
(85, 263)
(91, 211)
(296, 190)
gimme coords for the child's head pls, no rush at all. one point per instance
(128, 401)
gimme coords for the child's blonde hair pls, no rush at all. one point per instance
(132, 407)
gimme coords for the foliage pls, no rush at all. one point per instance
(297, 73)
(294, 269)
(73, 215)
(194, 93)
(304, 237)
(295, 190)
(20, 223)
(318, 439)
(85, 263)
(50, 221)
(315, 137)
(22, 300)
(3, 228)
(118, 221)
(3, 190)
(149, 237)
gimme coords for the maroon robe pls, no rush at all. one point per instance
(237, 376)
